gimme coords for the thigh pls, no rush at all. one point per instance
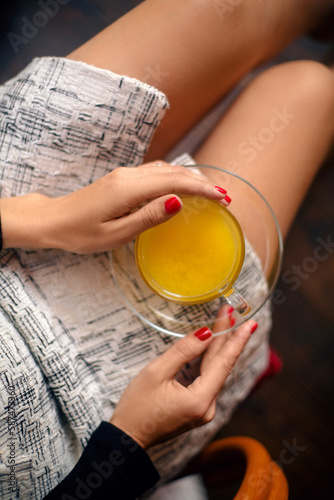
(277, 134)
(195, 50)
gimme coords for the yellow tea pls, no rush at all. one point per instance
(194, 257)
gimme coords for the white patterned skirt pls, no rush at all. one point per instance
(68, 344)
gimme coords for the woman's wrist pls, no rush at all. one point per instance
(136, 438)
(28, 221)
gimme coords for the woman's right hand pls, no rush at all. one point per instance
(155, 407)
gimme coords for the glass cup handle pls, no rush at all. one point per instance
(237, 301)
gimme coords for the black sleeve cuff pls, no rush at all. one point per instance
(112, 466)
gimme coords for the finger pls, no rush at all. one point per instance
(153, 182)
(223, 198)
(216, 372)
(223, 319)
(186, 349)
(223, 322)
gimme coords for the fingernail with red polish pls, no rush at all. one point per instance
(172, 205)
(225, 201)
(221, 190)
(254, 327)
(203, 333)
(230, 310)
(232, 321)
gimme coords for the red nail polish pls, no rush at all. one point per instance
(172, 205)
(232, 321)
(254, 327)
(203, 333)
(228, 199)
(221, 190)
(230, 310)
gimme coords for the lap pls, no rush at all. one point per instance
(87, 344)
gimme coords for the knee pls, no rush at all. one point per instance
(310, 86)
(306, 88)
(315, 82)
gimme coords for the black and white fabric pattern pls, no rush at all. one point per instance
(69, 345)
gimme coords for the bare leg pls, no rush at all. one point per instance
(196, 50)
(277, 133)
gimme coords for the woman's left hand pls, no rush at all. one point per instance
(105, 214)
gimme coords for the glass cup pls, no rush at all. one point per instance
(196, 256)
(255, 282)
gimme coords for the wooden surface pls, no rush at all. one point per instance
(292, 414)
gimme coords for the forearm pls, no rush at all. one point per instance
(28, 221)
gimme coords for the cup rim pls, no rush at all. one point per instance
(214, 293)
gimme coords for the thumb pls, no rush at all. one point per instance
(153, 213)
(157, 211)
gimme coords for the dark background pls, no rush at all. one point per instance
(296, 407)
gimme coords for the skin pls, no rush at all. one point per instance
(195, 54)
(186, 47)
(155, 407)
(280, 148)
(103, 215)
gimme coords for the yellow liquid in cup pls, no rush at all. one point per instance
(194, 257)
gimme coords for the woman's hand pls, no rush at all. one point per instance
(155, 407)
(105, 214)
